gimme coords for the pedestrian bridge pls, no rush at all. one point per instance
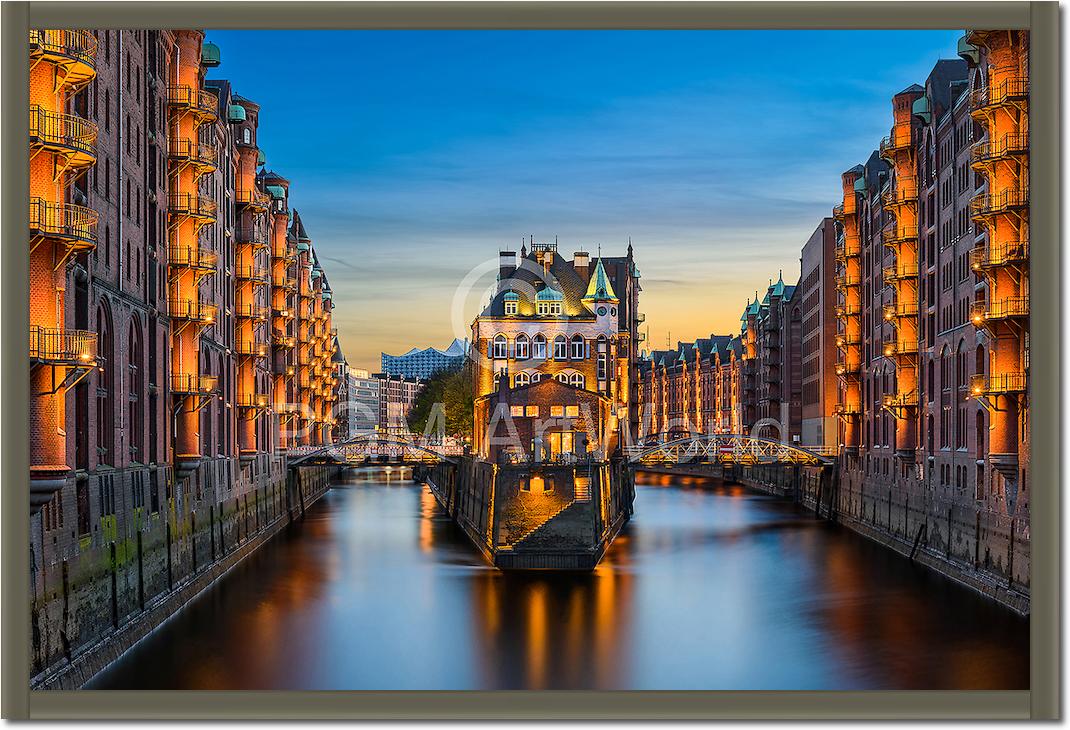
(723, 449)
(376, 448)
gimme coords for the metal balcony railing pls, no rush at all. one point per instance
(251, 311)
(844, 280)
(193, 257)
(904, 190)
(251, 348)
(65, 133)
(1007, 145)
(898, 272)
(848, 409)
(191, 204)
(192, 383)
(202, 102)
(74, 224)
(848, 310)
(993, 203)
(845, 368)
(76, 45)
(1009, 252)
(186, 149)
(289, 283)
(283, 342)
(899, 401)
(845, 340)
(848, 247)
(192, 310)
(63, 346)
(900, 309)
(253, 400)
(1015, 88)
(837, 212)
(998, 384)
(256, 235)
(895, 348)
(895, 234)
(897, 140)
(253, 198)
(252, 273)
(1004, 308)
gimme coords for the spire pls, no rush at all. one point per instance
(599, 288)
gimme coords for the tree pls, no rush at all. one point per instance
(453, 390)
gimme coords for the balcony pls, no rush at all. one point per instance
(999, 384)
(192, 205)
(837, 212)
(899, 139)
(74, 225)
(900, 272)
(251, 348)
(899, 310)
(848, 310)
(847, 410)
(75, 50)
(193, 257)
(255, 274)
(203, 104)
(988, 257)
(284, 311)
(900, 348)
(844, 369)
(1000, 309)
(253, 199)
(845, 340)
(193, 311)
(76, 348)
(900, 401)
(64, 134)
(253, 400)
(848, 247)
(202, 156)
(289, 283)
(904, 190)
(193, 384)
(249, 234)
(1007, 146)
(895, 235)
(988, 204)
(283, 342)
(251, 311)
(1010, 90)
(843, 280)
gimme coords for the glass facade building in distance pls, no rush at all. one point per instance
(424, 363)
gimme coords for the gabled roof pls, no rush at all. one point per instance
(529, 279)
(599, 289)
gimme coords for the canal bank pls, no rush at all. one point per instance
(954, 542)
(176, 561)
(707, 587)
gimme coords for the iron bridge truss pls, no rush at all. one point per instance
(375, 449)
(722, 449)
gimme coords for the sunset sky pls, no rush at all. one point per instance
(415, 156)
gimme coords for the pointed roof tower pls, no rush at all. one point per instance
(600, 289)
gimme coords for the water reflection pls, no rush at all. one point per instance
(709, 587)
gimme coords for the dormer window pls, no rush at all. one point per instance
(548, 302)
(512, 303)
(549, 309)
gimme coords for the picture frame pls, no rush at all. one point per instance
(1041, 702)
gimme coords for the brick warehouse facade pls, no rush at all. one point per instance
(914, 344)
(169, 292)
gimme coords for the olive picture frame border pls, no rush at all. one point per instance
(1041, 701)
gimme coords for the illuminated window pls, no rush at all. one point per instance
(557, 411)
(538, 347)
(516, 411)
(572, 411)
(501, 347)
(577, 347)
(522, 347)
(560, 348)
(577, 380)
(522, 379)
(531, 411)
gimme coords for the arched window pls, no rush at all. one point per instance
(577, 380)
(560, 348)
(135, 384)
(536, 377)
(497, 379)
(538, 347)
(562, 378)
(500, 349)
(523, 351)
(106, 390)
(577, 347)
(522, 379)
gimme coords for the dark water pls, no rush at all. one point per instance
(707, 588)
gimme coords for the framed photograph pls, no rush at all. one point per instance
(530, 360)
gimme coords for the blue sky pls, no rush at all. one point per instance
(415, 156)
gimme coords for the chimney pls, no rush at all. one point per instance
(581, 262)
(506, 264)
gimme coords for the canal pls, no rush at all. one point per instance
(708, 587)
